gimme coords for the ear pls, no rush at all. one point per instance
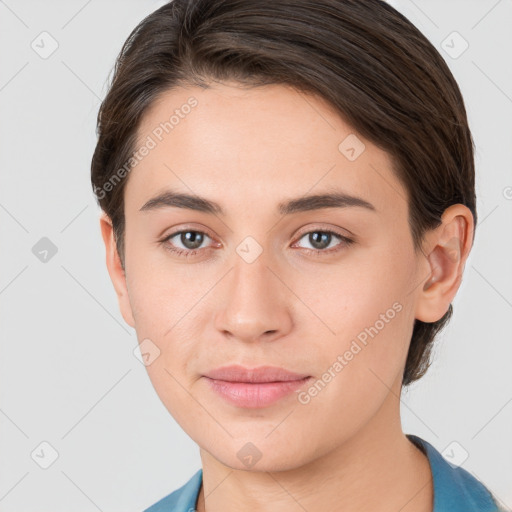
(115, 269)
(447, 249)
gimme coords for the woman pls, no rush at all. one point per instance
(289, 203)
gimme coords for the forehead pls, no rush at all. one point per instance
(270, 142)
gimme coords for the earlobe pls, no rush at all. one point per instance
(115, 269)
(449, 246)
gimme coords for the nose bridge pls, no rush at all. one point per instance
(252, 281)
(255, 299)
(251, 259)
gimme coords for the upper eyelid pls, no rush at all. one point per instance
(185, 230)
(335, 231)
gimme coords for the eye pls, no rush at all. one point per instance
(321, 241)
(190, 240)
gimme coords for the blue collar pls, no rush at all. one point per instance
(455, 489)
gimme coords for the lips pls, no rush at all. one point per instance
(262, 374)
(254, 387)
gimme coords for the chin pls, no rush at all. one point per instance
(254, 456)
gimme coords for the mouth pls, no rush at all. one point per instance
(256, 393)
(259, 375)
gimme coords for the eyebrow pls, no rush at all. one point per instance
(170, 198)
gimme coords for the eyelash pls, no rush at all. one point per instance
(315, 252)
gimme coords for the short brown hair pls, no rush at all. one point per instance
(366, 59)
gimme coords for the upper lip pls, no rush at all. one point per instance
(237, 373)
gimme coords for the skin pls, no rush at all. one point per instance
(249, 149)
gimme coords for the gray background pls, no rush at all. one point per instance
(68, 373)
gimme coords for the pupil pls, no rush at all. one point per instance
(191, 239)
(325, 239)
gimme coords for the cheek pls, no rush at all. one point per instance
(164, 315)
(363, 359)
(167, 302)
(364, 312)
(158, 289)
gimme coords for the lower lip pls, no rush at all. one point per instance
(244, 394)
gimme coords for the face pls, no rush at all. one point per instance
(327, 288)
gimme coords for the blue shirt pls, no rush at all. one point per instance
(455, 489)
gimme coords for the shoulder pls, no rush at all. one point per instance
(182, 499)
(455, 489)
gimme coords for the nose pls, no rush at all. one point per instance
(255, 305)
